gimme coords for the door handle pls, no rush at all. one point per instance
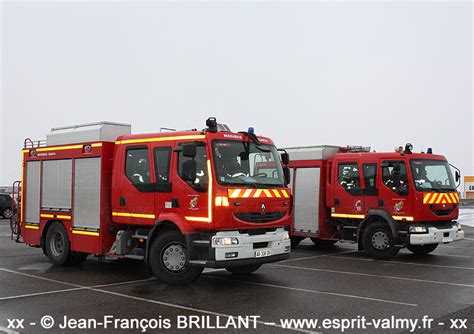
(122, 201)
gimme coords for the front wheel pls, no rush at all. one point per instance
(378, 241)
(422, 249)
(168, 259)
(244, 270)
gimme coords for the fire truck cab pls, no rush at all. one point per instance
(382, 201)
(181, 201)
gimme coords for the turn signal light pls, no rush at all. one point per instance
(222, 201)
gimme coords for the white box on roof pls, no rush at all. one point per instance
(86, 133)
(312, 152)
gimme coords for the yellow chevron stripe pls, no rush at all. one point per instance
(267, 193)
(285, 193)
(257, 193)
(234, 193)
(276, 193)
(247, 193)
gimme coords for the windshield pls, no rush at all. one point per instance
(245, 163)
(430, 175)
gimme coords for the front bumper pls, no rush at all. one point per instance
(202, 253)
(437, 236)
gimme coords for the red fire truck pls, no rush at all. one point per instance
(382, 201)
(181, 201)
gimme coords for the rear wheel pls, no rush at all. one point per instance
(323, 243)
(422, 249)
(168, 259)
(7, 213)
(378, 241)
(57, 245)
(244, 270)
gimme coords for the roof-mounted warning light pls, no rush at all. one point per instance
(211, 124)
(251, 130)
(430, 150)
(408, 148)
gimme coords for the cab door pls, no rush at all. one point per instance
(133, 199)
(348, 194)
(394, 189)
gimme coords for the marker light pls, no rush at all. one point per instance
(251, 130)
(224, 241)
(430, 150)
(222, 201)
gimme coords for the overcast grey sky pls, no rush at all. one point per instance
(377, 74)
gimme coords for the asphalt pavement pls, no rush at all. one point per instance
(338, 284)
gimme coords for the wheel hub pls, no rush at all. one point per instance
(174, 257)
(57, 244)
(380, 240)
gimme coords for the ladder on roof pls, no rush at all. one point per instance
(28, 143)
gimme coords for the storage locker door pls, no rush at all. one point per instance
(57, 184)
(87, 193)
(32, 190)
(306, 196)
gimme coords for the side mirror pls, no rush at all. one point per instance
(189, 150)
(285, 158)
(457, 176)
(189, 171)
(287, 175)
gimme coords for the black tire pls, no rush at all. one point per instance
(422, 249)
(244, 270)
(378, 241)
(323, 243)
(295, 241)
(57, 245)
(78, 258)
(7, 213)
(167, 250)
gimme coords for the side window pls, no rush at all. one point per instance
(394, 176)
(348, 176)
(200, 161)
(162, 164)
(370, 176)
(137, 165)
(2, 199)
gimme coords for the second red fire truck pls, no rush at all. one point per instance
(382, 201)
(181, 201)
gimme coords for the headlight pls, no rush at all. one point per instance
(286, 235)
(224, 241)
(418, 229)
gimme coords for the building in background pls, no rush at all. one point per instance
(469, 187)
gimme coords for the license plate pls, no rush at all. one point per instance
(446, 239)
(263, 253)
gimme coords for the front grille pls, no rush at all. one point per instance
(257, 217)
(442, 212)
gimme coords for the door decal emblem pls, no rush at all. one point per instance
(193, 203)
(398, 206)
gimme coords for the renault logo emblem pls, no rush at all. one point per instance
(263, 208)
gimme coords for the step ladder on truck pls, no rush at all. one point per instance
(382, 201)
(179, 200)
